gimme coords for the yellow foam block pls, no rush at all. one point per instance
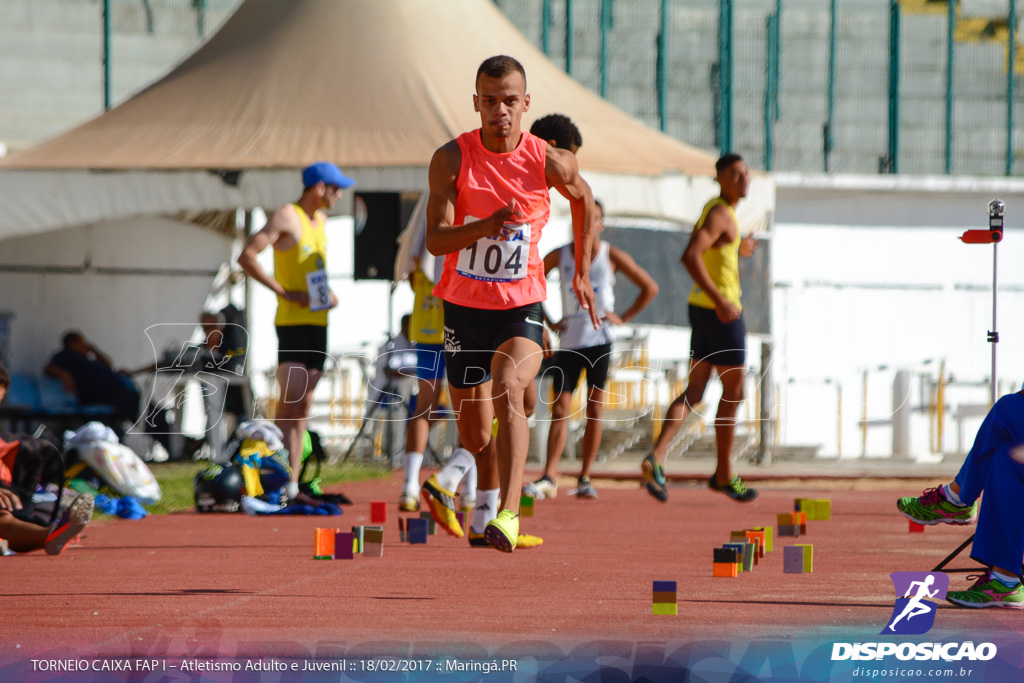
(665, 608)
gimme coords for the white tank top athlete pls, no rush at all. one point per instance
(579, 332)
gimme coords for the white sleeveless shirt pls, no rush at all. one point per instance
(579, 331)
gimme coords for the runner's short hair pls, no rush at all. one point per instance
(557, 127)
(726, 160)
(500, 66)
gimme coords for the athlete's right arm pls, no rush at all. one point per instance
(279, 226)
(443, 236)
(700, 241)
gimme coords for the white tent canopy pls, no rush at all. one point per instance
(373, 86)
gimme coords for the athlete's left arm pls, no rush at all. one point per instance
(624, 263)
(563, 174)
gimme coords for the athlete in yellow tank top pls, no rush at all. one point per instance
(303, 267)
(296, 233)
(717, 337)
(720, 262)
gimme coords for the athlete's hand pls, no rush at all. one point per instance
(546, 343)
(585, 295)
(612, 318)
(727, 312)
(334, 300)
(509, 213)
(300, 298)
(748, 246)
(9, 500)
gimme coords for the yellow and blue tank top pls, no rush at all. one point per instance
(722, 264)
(292, 268)
(427, 323)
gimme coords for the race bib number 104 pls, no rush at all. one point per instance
(497, 259)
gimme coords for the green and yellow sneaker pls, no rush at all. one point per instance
(654, 477)
(441, 502)
(502, 532)
(988, 591)
(735, 489)
(933, 508)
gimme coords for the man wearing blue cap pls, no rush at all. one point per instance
(297, 234)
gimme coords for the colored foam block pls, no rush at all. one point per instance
(401, 529)
(915, 528)
(756, 550)
(740, 549)
(664, 586)
(357, 533)
(759, 537)
(793, 560)
(665, 596)
(373, 549)
(823, 509)
(725, 555)
(344, 544)
(725, 569)
(525, 506)
(767, 537)
(373, 534)
(665, 608)
(431, 524)
(801, 519)
(418, 529)
(378, 513)
(323, 544)
(798, 559)
(748, 557)
(788, 530)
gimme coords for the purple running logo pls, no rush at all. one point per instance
(914, 612)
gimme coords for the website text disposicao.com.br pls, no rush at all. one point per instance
(907, 652)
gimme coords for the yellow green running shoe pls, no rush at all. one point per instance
(988, 591)
(502, 532)
(441, 502)
(932, 507)
(735, 489)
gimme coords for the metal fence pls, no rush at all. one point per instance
(864, 86)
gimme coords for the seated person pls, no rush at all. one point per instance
(88, 373)
(995, 465)
(24, 536)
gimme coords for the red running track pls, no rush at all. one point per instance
(236, 585)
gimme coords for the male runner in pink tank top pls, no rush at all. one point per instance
(488, 204)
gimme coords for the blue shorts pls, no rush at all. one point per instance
(429, 361)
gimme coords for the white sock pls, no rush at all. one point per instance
(293, 489)
(469, 484)
(1006, 579)
(455, 469)
(486, 509)
(412, 473)
(953, 498)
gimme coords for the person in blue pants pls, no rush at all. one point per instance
(995, 465)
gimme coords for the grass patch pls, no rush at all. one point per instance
(176, 481)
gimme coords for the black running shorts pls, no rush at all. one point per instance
(567, 365)
(715, 342)
(303, 344)
(471, 336)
